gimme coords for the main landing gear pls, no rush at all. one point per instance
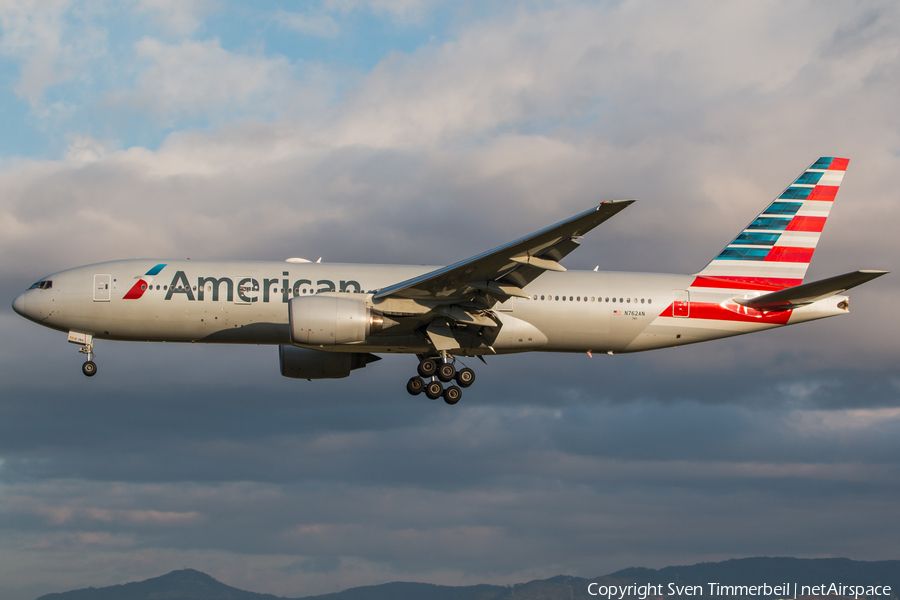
(440, 370)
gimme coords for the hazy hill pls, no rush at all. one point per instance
(753, 571)
(189, 584)
(186, 584)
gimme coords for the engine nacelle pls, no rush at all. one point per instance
(305, 363)
(326, 320)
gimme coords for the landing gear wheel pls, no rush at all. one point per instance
(415, 386)
(427, 367)
(446, 372)
(434, 390)
(89, 368)
(465, 377)
(452, 395)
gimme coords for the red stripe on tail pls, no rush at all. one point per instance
(807, 224)
(746, 283)
(823, 193)
(788, 254)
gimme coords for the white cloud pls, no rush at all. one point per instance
(85, 149)
(403, 11)
(612, 60)
(320, 25)
(52, 42)
(837, 422)
(182, 17)
(202, 79)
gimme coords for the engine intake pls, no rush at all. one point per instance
(326, 320)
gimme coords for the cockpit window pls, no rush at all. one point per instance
(42, 285)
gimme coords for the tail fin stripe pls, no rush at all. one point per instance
(772, 223)
(798, 239)
(831, 178)
(754, 238)
(809, 178)
(745, 283)
(732, 253)
(790, 254)
(815, 224)
(783, 208)
(814, 208)
(825, 163)
(823, 193)
(795, 193)
(839, 164)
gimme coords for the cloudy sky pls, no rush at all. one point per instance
(422, 131)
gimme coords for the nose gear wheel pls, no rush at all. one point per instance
(89, 368)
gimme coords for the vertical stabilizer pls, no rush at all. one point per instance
(775, 249)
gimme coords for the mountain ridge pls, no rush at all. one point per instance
(190, 584)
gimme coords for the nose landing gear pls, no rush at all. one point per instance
(440, 370)
(89, 368)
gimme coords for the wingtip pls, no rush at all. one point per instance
(623, 201)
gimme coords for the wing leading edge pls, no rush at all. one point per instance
(505, 270)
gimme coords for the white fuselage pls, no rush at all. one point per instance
(247, 303)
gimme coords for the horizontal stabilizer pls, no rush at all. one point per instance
(808, 293)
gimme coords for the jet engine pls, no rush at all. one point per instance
(326, 320)
(305, 363)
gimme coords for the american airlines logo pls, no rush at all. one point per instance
(143, 283)
(237, 289)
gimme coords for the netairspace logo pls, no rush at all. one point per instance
(716, 590)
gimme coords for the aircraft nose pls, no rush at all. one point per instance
(19, 304)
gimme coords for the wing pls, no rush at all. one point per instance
(504, 271)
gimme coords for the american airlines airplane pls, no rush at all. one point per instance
(329, 319)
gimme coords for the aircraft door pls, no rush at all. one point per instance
(101, 287)
(681, 307)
